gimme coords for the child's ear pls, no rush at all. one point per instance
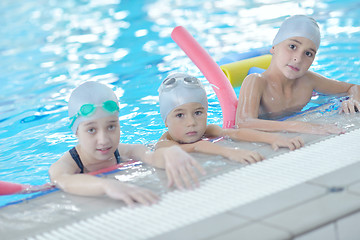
(272, 49)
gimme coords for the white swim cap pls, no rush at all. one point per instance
(299, 26)
(178, 89)
(90, 101)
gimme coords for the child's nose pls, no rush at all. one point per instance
(297, 57)
(103, 138)
(191, 121)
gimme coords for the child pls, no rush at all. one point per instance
(93, 111)
(183, 107)
(287, 85)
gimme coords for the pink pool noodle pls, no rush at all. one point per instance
(212, 72)
(7, 188)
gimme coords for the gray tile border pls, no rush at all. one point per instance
(49, 212)
(30, 221)
(78, 207)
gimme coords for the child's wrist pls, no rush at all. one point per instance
(149, 156)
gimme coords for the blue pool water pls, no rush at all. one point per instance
(49, 47)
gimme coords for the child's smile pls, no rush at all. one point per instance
(104, 151)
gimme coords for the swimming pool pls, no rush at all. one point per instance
(51, 47)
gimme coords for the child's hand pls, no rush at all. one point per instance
(350, 106)
(291, 143)
(179, 166)
(129, 193)
(243, 156)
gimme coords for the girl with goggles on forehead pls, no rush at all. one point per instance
(183, 108)
(93, 110)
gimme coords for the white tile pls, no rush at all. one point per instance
(256, 231)
(316, 212)
(280, 201)
(327, 232)
(355, 188)
(340, 178)
(205, 229)
(348, 227)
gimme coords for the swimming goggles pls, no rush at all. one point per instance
(172, 82)
(88, 109)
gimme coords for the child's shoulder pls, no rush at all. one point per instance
(255, 81)
(257, 78)
(65, 164)
(310, 79)
(165, 136)
(67, 158)
(213, 130)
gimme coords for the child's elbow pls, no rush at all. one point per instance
(52, 173)
(188, 147)
(244, 122)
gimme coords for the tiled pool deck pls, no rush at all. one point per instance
(325, 207)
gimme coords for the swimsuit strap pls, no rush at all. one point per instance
(117, 156)
(213, 140)
(74, 154)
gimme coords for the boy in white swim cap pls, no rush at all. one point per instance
(94, 118)
(287, 85)
(183, 108)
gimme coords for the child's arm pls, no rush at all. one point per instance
(234, 154)
(331, 86)
(251, 92)
(238, 155)
(178, 164)
(250, 135)
(247, 112)
(289, 126)
(65, 174)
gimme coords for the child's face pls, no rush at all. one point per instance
(294, 56)
(99, 138)
(187, 123)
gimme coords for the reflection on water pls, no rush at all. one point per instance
(49, 47)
